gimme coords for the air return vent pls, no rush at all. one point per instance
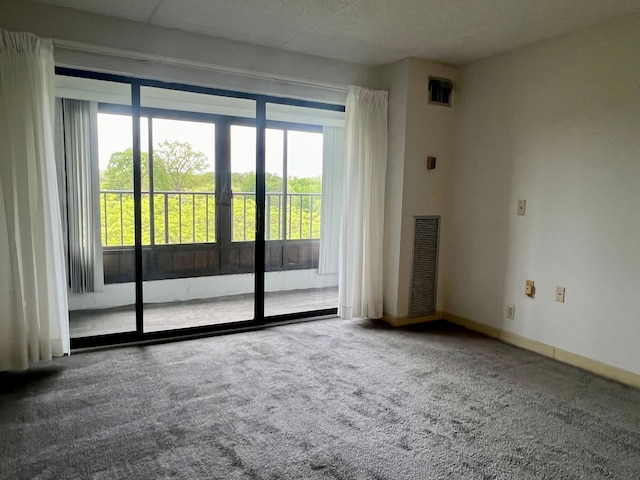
(425, 266)
(440, 91)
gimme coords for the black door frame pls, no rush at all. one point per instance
(259, 319)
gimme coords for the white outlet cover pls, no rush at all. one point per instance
(511, 311)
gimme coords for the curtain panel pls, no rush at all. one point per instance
(361, 267)
(34, 323)
(333, 170)
(78, 183)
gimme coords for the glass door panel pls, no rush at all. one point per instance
(295, 166)
(243, 182)
(194, 274)
(240, 251)
(274, 174)
(94, 154)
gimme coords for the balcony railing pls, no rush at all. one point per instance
(190, 217)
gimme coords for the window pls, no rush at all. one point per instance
(293, 183)
(182, 169)
(198, 203)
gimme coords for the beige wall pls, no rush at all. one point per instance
(417, 129)
(557, 124)
(430, 132)
(396, 80)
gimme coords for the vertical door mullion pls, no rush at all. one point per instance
(152, 227)
(261, 125)
(285, 187)
(137, 202)
(224, 213)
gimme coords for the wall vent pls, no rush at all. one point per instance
(425, 266)
(440, 91)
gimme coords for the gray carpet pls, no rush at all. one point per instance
(324, 399)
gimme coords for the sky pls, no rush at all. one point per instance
(304, 148)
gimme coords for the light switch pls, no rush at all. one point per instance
(522, 207)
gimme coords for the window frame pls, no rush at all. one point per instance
(261, 124)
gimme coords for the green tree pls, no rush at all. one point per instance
(304, 185)
(274, 182)
(179, 163)
(119, 172)
(180, 218)
(243, 182)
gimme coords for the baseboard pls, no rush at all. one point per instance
(593, 366)
(404, 321)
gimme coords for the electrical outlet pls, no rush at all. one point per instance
(511, 311)
(522, 207)
(560, 294)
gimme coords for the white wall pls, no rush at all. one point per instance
(430, 132)
(417, 129)
(557, 124)
(396, 79)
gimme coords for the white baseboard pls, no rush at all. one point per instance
(564, 356)
(593, 366)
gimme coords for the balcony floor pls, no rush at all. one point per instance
(195, 313)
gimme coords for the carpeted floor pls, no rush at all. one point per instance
(315, 400)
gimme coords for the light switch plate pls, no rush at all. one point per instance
(560, 294)
(522, 207)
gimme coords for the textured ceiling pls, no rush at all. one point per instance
(372, 32)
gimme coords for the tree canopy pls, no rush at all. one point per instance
(119, 172)
(179, 168)
(176, 167)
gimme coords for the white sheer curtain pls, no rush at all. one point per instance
(34, 323)
(361, 273)
(333, 170)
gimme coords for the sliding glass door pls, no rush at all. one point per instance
(303, 190)
(192, 209)
(94, 157)
(198, 215)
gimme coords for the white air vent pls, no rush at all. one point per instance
(425, 266)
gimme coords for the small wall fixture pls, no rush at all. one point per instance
(530, 288)
(431, 163)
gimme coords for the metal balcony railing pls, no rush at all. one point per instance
(190, 217)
